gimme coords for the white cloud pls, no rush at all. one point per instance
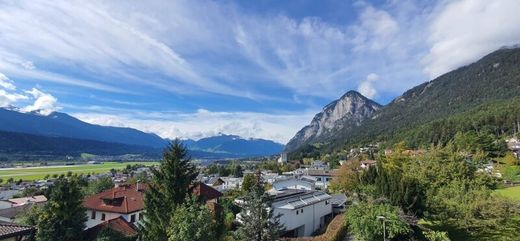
(6, 83)
(366, 87)
(44, 103)
(8, 99)
(465, 30)
(375, 29)
(8, 95)
(204, 123)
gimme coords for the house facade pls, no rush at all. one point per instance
(125, 201)
(302, 212)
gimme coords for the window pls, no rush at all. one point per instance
(132, 218)
(301, 211)
(327, 202)
(93, 215)
(140, 216)
(103, 216)
(297, 212)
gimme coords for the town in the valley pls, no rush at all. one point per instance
(304, 196)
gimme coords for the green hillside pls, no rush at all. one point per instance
(480, 97)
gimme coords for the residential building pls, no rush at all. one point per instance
(14, 232)
(302, 212)
(11, 214)
(293, 183)
(339, 203)
(126, 201)
(26, 200)
(119, 225)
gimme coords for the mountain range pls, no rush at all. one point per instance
(60, 134)
(479, 96)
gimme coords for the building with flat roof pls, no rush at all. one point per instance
(303, 212)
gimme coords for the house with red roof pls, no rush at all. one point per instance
(119, 225)
(122, 207)
(125, 201)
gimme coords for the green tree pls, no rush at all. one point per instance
(249, 182)
(257, 220)
(363, 222)
(168, 188)
(436, 236)
(31, 218)
(63, 217)
(237, 170)
(510, 159)
(348, 178)
(192, 221)
(99, 185)
(108, 234)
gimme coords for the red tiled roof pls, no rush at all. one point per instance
(123, 199)
(206, 192)
(118, 224)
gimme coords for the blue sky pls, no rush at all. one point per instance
(260, 69)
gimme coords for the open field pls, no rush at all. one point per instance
(35, 173)
(511, 192)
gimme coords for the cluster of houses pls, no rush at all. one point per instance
(299, 196)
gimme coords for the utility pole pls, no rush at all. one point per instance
(383, 218)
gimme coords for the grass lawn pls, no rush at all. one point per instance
(510, 192)
(36, 173)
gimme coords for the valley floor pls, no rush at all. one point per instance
(36, 173)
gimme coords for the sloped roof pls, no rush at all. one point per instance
(12, 212)
(25, 200)
(206, 192)
(129, 199)
(118, 224)
(8, 230)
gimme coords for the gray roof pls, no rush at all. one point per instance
(338, 199)
(9, 230)
(8, 194)
(12, 212)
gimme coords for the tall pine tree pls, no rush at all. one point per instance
(258, 222)
(63, 217)
(169, 187)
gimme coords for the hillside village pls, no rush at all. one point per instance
(302, 198)
(266, 120)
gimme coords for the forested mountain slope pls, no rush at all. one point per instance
(494, 81)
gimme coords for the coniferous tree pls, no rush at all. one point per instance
(258, 222)
(63, 217)
(169, 187)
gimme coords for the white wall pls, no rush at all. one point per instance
(310, 217)
(108, 216)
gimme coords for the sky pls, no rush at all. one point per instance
(258, 69)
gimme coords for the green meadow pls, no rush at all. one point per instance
(510, 192)
(36, 173)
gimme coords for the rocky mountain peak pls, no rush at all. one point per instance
(348, 111)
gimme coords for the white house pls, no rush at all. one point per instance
(126, 201)
(302, 212)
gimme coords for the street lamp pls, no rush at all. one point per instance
(383, 218)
